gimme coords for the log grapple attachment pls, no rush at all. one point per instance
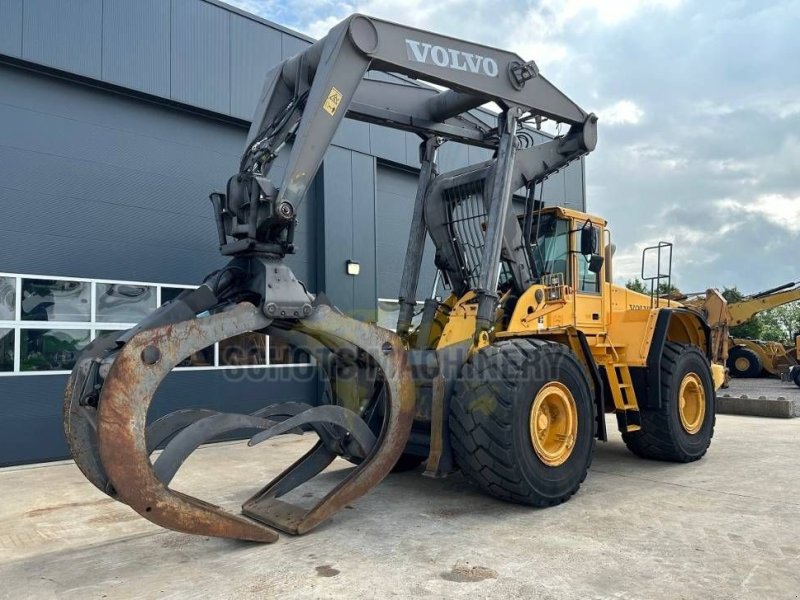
(112, 387)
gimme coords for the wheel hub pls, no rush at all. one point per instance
(553, 424)
(692, 403)
(742, 364)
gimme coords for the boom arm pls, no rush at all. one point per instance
(746, 309)
(328, 75)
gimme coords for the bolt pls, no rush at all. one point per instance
(151, 355)
(271, 308)
(386, 348)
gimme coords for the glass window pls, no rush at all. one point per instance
(282, 353)
(201, 358)
(243, 349)
(389, 312)
(124, 303)
(6, 350)
(551, 246)
(55, 300)
(7, 298)
(51, 349)
(168, 294)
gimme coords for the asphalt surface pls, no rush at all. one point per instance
(727, 526)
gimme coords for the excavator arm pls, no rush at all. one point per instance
(369, 400)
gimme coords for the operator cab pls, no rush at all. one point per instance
(565, 245)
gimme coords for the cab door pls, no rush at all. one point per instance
(588, 286)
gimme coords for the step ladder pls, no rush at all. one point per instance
(621, 384)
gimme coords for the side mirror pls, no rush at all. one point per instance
(596, 263)
(588, 239)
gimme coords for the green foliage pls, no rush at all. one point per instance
(781, 323)
(637, 285)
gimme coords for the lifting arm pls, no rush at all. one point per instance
(305, 98)
(746, 309)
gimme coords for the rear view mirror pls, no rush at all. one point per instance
(588, 239)
(596, 263)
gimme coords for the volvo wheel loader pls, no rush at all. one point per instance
(507, 379)
(747, 357)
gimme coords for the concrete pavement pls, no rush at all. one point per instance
(727, 526)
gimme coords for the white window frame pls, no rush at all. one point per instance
(93, 326)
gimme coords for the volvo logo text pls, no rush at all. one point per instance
(450, 58)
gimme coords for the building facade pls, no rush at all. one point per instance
(117, 119)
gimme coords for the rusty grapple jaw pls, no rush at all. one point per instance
(113, 384)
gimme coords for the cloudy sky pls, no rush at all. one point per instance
(699, 106)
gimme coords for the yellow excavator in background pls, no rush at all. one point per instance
(753, 358)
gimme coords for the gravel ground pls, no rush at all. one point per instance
(762, 386)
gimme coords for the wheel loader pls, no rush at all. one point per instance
(747, 357)
(506, 379)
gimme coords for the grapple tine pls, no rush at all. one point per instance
(161, 429)
(128, 390)
(329, 414)
(199, 432)
(385, 348)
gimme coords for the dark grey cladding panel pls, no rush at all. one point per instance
(105, 186)
(364, 237)
(291, 45)
(66, 35)
(389, 144)
(136, 45)
(255, 49)
(27, 91)
(31, 430)
(337, 224)
(11, 27)
(573, 185)
(394, 202)
(354, 135)
(201, 60)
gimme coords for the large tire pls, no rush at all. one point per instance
(663, 435)
(743, 362)
(490, 421)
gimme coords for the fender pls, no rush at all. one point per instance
(651, 398)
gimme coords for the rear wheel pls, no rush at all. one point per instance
(743, 362)
(522, 421)
(682, 428)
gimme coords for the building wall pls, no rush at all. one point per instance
(117, 119)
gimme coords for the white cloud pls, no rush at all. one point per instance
(778, 209)
(622, 112)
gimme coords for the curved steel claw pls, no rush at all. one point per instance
(127, 392)
(329, 414)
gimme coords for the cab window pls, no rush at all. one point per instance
(550, 237)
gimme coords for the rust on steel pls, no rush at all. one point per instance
(122, 418)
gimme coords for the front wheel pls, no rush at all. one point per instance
(682, 428)
(522, 423)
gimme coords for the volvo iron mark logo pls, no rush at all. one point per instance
(450, 58)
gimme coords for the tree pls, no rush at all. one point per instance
(637, 285)
(781, 323)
